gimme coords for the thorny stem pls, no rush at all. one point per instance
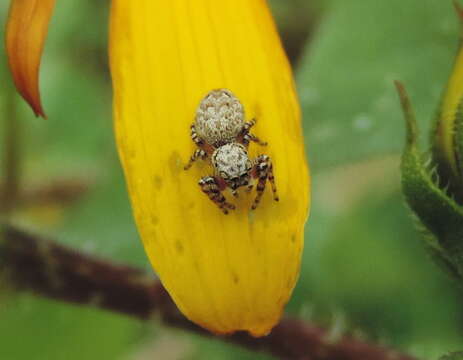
(10, 175)
(51, 270)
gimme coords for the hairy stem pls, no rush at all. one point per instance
(54, 271)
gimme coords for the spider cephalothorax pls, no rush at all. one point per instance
(222, 135)
(232, 164)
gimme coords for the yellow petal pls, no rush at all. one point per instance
(445, 130)
(225, 272)
(26, 31)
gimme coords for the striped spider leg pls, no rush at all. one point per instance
(246, 137)
(263, 171)
(213, 186)
(203, 150)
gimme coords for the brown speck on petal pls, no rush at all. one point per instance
(26, 31)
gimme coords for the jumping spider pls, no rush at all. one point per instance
(222, 135)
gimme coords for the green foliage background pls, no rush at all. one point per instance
(364, 268)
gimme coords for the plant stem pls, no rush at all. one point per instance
(54, 271)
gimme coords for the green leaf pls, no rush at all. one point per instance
(346, 76)
(368, 263)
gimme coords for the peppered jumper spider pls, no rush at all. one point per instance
(223, 137)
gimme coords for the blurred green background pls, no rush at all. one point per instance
(364, 269)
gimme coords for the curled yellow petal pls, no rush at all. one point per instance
(225, 272)
(26, 31)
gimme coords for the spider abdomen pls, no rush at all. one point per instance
(219, 117)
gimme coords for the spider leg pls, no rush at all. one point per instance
(195, 137)
(248, 125)
(211, 187)
(250, 137)
(247, 137)
(203, 152)
(263, 171)
(199, 153)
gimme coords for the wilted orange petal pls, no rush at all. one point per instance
(26, 31)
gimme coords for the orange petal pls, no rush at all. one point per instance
(26, 31)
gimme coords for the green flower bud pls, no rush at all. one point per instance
(433, 184)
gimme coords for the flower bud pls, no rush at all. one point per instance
(433, 185)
